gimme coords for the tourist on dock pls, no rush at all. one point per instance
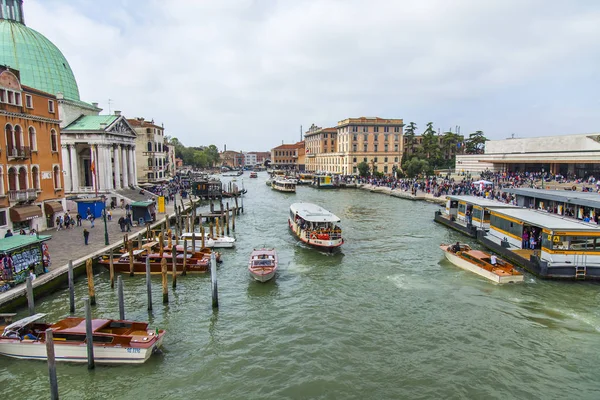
(128, 222)
(86, 236)
(8, 233)
(79, 220)
(91, 218)
(109, 215)
(532, 241)
(122, 224)
(525, 239)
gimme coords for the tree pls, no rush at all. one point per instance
(431, 145)
(363, 169)
(416, 166)
(475, 144)
(449, 147)
(409, 133)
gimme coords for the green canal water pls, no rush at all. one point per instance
(385, 318)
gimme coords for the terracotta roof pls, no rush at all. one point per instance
(134, 122)
(294, 146)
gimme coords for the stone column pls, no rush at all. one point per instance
(124, 172)
(117, 168)
(74, 168)
(101, 167)
(66, 167)
(130, 165)
(135, 180)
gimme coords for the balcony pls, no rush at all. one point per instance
(22, 195)
(18, 152)
(155, 168)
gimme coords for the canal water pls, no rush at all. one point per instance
(385, 318)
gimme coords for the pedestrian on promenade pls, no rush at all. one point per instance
(92, 220)
(78, 219)
(86, 236)
(122, 224)
(109, 215)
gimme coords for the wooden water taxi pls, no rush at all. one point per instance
(195, 262)
(115, 341)
(481, 263)
(209, 241)
(315, 226)
(284, 185)
(263, 264)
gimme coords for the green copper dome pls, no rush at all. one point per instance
(41, 64)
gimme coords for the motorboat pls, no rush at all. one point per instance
(263, 264)
(195, 262)
(481, 263)
(115, 341)
(305, 179)
(253, 175)
(284, 185)
(316, 226)
(209, 241)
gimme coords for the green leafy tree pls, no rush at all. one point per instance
(449, 147)
(431, 145)
(416, 167)
(409, 134)
(475, 144)
(363, 169)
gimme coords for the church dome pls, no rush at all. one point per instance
(41, 64)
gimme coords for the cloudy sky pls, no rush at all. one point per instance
(249, 73)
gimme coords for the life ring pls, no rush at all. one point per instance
(313, 235)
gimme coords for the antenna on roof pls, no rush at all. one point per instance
(109, 103)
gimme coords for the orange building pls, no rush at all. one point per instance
(289, 156)
(31, 177)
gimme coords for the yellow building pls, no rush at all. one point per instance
(376, 141)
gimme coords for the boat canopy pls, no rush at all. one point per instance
(313, 213)
(23, 322)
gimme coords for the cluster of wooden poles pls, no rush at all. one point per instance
(183, 221)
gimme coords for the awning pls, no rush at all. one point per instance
(52, 207)
(24, 213)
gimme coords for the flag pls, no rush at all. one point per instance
(93, 167)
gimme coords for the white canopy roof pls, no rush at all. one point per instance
(24, 322)
(313, 213)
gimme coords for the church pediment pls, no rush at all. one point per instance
(121, 127)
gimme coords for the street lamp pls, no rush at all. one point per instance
(542, 178)
(105, 229)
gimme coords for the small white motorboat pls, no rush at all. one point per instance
(263, 264)
(210, 242)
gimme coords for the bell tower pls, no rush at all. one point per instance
(12, 10)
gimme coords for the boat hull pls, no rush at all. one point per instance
(314, 242)
(77, 352)
(263, 276)
(468, 266)
(139, 268)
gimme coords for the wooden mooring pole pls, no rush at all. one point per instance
(213, 279)
(185, 253)
(89, 334)
(121, 297)
(227, 219)
(130, 244)
(233, 219)
(165, 288)
(148, 284)
(51, 364)
(111, 269)
(70, 278)
(30, 301)
(174, 258)
(90, 281)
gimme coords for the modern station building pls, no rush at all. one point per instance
(567, 155)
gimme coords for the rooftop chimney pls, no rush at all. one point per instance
(103, 125)
(117, 112)
(95, 105)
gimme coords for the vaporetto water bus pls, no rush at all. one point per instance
(316, 226)
(569, 249)
(305, 179)
(323, 182)
(284, 185)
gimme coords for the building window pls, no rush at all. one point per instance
(18, 99)
(396, 138)
(375, 159)
(396, 129)
(56, 176)
(355, 137)
(366, 138)
(355, 129)
(2, 95)
(53, 141)
(375, 148)
(365, 147)
(386, 128)
(376, 129)
(11, 97)
(2, 218)
(51, 106)
(365, 159)
(35, 177)
(385, 169)
(12, 179)
(32, 139)
(354, 147)
(386, 137)
(365, 129)
(385, 148)
(375, 138)
(8, 133)
(28, 101)
(148, 130)
(2, 193)
(396, 147)
(395, 159)
(385, 159)
(354, 159)
(325, 136)
(149, 146)
(23, 178)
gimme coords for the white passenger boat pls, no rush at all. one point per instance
(315, 226)
(263, 264)
(305, 179)
(481, 263)
(284, 185)
(210, 242)
(115, 341)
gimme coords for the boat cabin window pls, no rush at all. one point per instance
(572, 243)
(505, 225)
(462, 207)
(477, 213)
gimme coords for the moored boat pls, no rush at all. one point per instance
(253, 175)
(209, 241)
(263, 264)
(115, 341)
(315, 226)
(305, 179)
(195, 262)
(481, 263)
(284, 185)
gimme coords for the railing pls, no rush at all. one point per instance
(22, 195)
(18, 152)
